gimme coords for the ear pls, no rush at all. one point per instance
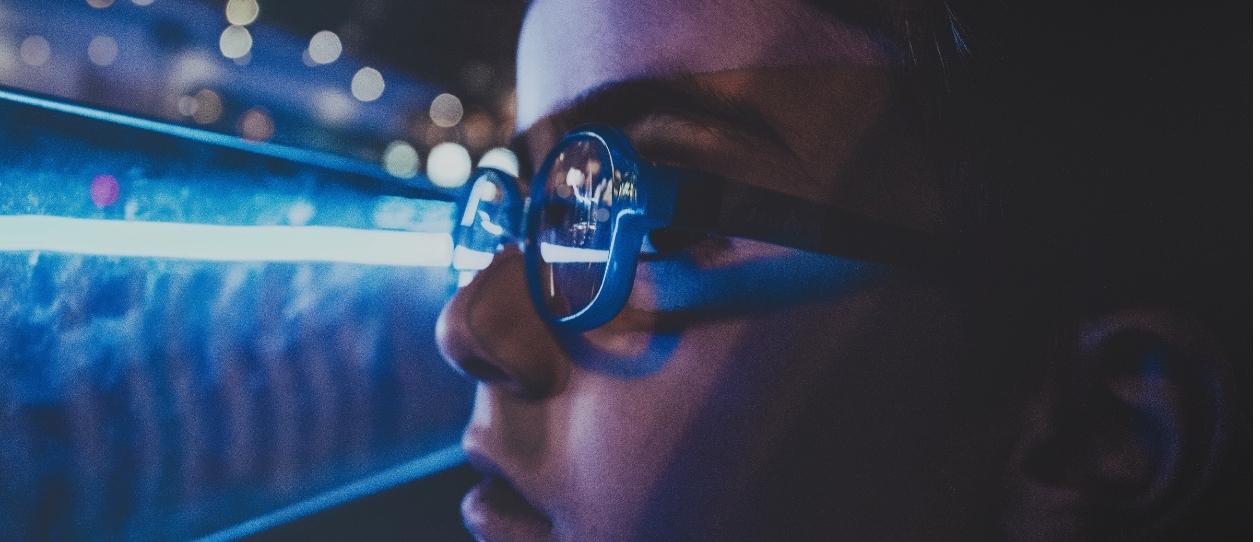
(1124, 435)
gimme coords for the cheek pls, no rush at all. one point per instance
(634, 445)
(624, 432)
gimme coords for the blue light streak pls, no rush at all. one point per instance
(428, 465)
(315, 158)
(224, 243)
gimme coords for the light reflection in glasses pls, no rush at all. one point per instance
(552, 253)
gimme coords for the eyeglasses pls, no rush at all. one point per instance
(593, 201)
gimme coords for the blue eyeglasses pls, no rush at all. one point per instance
(593, 201)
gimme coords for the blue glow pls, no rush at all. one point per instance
(428, 465)
(315, 158)
(224, 243)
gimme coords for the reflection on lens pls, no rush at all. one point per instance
(484, 221)
(576, 223)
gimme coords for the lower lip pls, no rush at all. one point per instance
(494, 511)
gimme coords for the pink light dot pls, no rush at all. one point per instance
(104, 190)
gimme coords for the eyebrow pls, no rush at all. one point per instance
(622, 104)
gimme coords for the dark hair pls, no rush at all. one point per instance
(1097, 155)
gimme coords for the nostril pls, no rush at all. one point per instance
(482, 371)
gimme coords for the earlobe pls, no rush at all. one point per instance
(1128, 429)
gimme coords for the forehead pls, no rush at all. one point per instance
(569, 47)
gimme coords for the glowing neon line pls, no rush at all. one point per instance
(423, 467)
(223, 243)
(561, 254)
(321, 159)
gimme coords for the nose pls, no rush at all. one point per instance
(490, 332)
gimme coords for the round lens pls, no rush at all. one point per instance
(484, 220)
(574, 221)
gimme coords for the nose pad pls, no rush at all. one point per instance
(490, 332)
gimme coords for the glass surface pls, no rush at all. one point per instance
(485, 220)
(575, 225)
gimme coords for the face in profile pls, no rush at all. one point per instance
(747, 390)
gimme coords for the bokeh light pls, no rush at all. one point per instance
(100, 4)
(325, 47)
(103, 50)
(401, 160)
(235, 42)
(367, 84)
(333, 106)
(142, 2)
(104, 190)
(300, 213)
(35, 51)
(209, 107)
(256, 125)
(449, 165)
(241, 12)
(186, 106)
(502, 159)
(446, 110)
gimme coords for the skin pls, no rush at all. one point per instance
(833, 406)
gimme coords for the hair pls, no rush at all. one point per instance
(1095, 157)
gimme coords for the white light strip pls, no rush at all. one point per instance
(224, 243)
(562, 254)
(471, 260)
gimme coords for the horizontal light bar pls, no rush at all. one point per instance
(552, 253)
(223, 243)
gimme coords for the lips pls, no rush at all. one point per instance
(494, 510)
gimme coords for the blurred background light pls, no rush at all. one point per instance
(300, 213)
(448, 165)
(502, 159)
(35, 51)
(208, 108)
(235, 41)
(367, 85)
(168, 64)
(256, 125)
(241, 12)
(333, 106)
(396, 213)
(103, 50)
(401, 160)
(194, 68)
(104, 190)
(446, 110)
(325, 47)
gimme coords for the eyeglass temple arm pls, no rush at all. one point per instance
(713, 204)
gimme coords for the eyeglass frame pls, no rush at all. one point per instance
(665, 196)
